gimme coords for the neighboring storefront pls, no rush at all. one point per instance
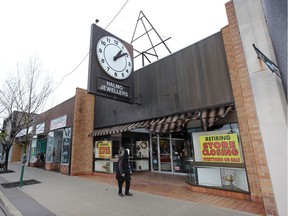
(50, 147)
(58, 146)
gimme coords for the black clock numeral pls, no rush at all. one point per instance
(108, 68)
(108, 40)
(102, 60)
(122, 74)
(129, 64)
(103, 43)
(115, 74)
(100, 50)
(116, 42)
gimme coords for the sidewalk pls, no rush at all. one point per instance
(63, 195)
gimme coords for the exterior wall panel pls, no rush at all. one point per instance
(194, 78)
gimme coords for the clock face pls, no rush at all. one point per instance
(114, 57)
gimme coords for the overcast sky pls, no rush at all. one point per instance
(58, 32)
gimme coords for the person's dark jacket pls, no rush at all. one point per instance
(123, 167)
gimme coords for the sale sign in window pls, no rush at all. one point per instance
(103, 149)
(220, 148)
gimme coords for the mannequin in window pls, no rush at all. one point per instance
(123, 173)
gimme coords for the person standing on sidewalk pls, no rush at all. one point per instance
(123, 173)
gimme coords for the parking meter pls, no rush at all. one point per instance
(24, 158)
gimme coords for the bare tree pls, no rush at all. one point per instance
(21, 97)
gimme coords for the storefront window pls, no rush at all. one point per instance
(66, 146)
(58, 146)
(218, 160)
(137, 143)
(49, 151)
(33, 151)
(174, 151)
(103, 155)
(38, 149)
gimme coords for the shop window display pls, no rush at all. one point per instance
(139, 152)
(49, 151)
(218, 160)
(38, 149)
(58, 146)
(65, 156)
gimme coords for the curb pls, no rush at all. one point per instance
(8, 207)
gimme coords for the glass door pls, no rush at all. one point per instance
(169, 154)
(165, 154)
(180, 155)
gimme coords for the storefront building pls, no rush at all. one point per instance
(176, 115)
(50, 146)
(180, 98)
(200, 112)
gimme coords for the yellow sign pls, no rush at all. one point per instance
(103, 149)
(220, 148)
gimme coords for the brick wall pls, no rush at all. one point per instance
(52, 167)
(64, 169)
(65, 108)
(252, 144)
(82, 145)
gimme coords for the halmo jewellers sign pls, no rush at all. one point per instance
(111, 87)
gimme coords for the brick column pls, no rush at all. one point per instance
(254, 154)
(82, 145)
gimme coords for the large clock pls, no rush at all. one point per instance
(114, 57)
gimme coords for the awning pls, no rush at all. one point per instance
(168, 124)
(210, 116)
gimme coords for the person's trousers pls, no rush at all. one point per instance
(127, 186)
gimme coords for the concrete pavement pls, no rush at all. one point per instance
(64, 195)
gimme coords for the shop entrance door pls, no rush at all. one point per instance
(168, 154)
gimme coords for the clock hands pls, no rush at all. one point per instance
(119, 55)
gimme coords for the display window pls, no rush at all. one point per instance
(58, 146)
(33, 151)
(108, 150)
(65, 153)
(218, 159)
(38, 149)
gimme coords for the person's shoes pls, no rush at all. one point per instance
(120, 194)
(128, 194)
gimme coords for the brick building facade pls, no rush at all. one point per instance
(260, 171)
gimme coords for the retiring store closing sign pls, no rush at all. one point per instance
(103, 149)
(220, 148)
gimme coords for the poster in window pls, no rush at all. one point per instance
(103, 149)
(220, 148)
(142, 149)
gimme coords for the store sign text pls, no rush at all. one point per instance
(220, 148)
(113, 88)
(58, 122)
(103, 149)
